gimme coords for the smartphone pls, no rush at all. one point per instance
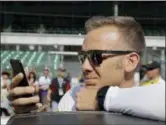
(17, 68)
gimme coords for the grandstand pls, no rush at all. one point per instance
(30, 59)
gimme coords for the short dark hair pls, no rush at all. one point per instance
(129, 28)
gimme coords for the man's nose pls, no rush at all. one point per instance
(86, 66)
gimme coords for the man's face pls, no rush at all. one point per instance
(153, 73)
(111, 71)
(60, 73)
(46, 72)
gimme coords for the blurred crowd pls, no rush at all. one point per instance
(59, 84)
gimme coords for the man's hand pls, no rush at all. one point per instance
(5, 84)
(86, 99)
(24, 104)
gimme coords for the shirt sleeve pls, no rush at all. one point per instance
(144, 101)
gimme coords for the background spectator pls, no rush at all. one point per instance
(59, 86)
(32, 78)
(44, 83)
(153, 74)
(5, 81)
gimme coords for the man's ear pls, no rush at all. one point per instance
(131, 62)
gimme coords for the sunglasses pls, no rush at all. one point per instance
(96, 56)
(149, 69)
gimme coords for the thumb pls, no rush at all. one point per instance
(41, 108)
(38, 105)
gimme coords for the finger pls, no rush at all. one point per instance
(36, 88)
(38, 105)
(16, 80)
(8, 87)
(42, 108)
(24, 109)
(25, 101)
(18, 91)
(10, 97)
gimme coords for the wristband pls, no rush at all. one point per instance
(101, 96)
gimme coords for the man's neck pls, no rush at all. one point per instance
(156, 77)
(127, 84)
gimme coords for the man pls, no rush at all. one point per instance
(153, 74)
(4, 102)
(110, 55)
(44, 83)
(59, 86)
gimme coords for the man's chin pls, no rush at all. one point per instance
(91, 85)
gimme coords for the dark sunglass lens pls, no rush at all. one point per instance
(96, 58)
(81, 57)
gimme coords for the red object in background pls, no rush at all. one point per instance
(67, 86)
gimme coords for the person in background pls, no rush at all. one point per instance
(5, 81)
(26, 69)
(44, 83)
(59, 86)
(142, 72)
(153, 74)
(81, 79)
(32, 78)
(67, 77)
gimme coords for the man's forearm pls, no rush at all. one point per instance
(146, 101)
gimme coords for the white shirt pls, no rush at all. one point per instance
(44, 82)
(145, 101)
(60, 81)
